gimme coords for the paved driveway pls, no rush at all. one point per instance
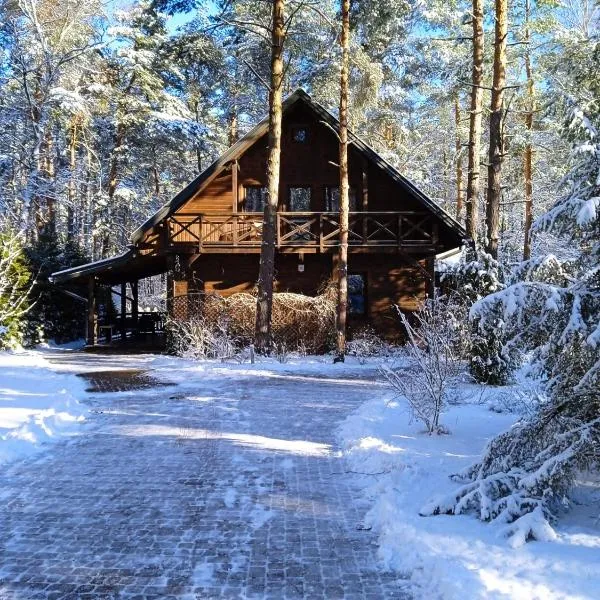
(228, 488)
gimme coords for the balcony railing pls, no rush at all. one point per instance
(303, 229)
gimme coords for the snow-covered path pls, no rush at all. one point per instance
(225, 486)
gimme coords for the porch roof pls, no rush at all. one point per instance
(128, 266)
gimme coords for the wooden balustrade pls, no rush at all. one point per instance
(303, 230)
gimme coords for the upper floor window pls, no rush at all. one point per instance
(299, 199)
(300, 134)
(256, 198)
(332, 199)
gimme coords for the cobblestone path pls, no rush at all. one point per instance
(226, 488)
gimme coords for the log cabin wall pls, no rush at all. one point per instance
(311, 163)
(389, 281)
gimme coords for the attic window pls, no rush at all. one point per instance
(300, 134)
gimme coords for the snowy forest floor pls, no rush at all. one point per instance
(209, 479)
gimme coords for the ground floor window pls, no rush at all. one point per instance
(357, 294)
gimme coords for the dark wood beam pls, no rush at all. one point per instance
(92, 316)
(123, 319)
(235, 191)
(134, 303)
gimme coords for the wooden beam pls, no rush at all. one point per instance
(123, 319)
(365, 185)
(430, 267)
(235, 192)
(134, 303)
(92, 317)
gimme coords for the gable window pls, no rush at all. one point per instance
(256, 198)
(357, 294)
(332, 199)
(300, 134)
(299, 199)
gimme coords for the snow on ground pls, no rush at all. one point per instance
(458, 557)
(37, 405)
(399, 468)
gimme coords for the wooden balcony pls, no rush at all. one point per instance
(303, 232)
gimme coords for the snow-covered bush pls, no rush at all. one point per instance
(552, 316)
(365, 343)
(15, 285)
(434, 364)
(199, 337)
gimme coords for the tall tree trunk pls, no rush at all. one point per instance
(496, 149)
(233, 126)
(264, 301)
(48, 219)
(342, 307)
(528, 154)
(71, 189)
(476, 109)
(458, 149)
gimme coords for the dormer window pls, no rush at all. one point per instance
(300, 134)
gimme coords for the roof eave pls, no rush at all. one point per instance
(92, 268)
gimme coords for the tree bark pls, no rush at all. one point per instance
(233, 126)
(496, 149)
(71, 189)
(528, 153)
(342, 307)
(264, 301)
(476, 109)
(458, 151)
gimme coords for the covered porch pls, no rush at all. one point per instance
(110, 289)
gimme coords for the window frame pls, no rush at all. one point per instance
(365, 295)
(288, 201)
(351, 191)
(254, 187)
(296, 128)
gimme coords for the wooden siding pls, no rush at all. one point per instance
(389, 280)
(312, 163)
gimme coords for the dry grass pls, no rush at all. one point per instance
(210, 325)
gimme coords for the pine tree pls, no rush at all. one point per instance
(551, 313)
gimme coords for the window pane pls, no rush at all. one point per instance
(332, 199)
(299, 134)
(256, 198)
(357, 295)
(299, 199)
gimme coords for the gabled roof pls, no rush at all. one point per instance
(239, 148)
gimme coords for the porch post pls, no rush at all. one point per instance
(123, 320)
(134, 303)
(92, 317)
(430, 285)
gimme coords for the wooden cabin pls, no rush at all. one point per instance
(208, 237)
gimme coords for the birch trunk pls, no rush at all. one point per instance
(475, 116)
(342, 308)
(496, 149)
(264, 301)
